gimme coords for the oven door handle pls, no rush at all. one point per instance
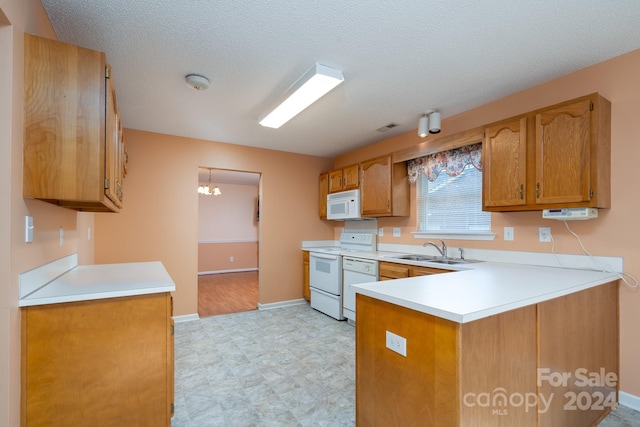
(324, 256)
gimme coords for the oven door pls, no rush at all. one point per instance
(325, 272)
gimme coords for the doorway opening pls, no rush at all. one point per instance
(228, 237)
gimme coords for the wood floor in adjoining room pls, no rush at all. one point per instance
(227, 293)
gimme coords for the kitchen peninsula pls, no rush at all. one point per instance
(97, 345)
(495, 344)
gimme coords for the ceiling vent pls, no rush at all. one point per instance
(387, 127)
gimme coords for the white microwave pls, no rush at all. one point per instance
(344, 205)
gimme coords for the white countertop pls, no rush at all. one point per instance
(483, 289)
(90, 282)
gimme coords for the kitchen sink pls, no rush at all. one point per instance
(418, 257)
(437, 259)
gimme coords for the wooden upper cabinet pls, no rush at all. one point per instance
(568, 158)
(344, 179)
(324, 190)
(563, 155)
(384, 188)
(350, 176)
(72, 154)
(504, 161)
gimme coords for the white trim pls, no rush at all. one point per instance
(455, 235)
(228, 241)
(237, 270)
(281, 304)
(32, 280)
(629, 400)
(186, 318)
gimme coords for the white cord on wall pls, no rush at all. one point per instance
(625, 277)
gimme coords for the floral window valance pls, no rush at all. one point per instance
(451, 161)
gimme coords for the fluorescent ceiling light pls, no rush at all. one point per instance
(316, 82)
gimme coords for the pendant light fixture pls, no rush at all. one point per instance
(209, 189)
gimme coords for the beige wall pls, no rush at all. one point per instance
(160, 217)
(614, 233)
(216, 257)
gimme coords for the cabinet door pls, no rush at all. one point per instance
(504, 170)
(375, 186)
(324, 190)
(335, 181)
(306, 292)
(563, 137)
(425, 271)
(113, 150)
(350, 177)
(389, 270)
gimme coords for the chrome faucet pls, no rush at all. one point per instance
(442, 251)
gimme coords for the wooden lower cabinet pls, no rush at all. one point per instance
(392, 270)
(474, 374)
(306, 291)
(105, 362)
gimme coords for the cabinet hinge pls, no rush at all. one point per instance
(172, 329)
(106, 184)
(590, 105)
(172, 409)
(107, 72)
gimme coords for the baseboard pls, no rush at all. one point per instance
(238, 270)
(281, 304)
(629, 400)
(186, 318)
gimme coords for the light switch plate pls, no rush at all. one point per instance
(508, 233)
(28, 229)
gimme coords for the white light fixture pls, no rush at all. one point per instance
(314, 84)
(197, 81)
(434, 122)
(423, 126)
(429, 123)
(208, 189)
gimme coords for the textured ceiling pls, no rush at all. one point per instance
(399, 58)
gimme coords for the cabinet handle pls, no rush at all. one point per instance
(537, 190)
(521, 191)
(388, 204)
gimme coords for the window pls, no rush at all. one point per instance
(449, 195)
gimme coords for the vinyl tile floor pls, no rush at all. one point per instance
(290, 366)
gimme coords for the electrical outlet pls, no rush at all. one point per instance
(380, 231)
(230, 259)
(508, 233)
(396, 231)
(397, 343)
(544, 234)
(61, 236)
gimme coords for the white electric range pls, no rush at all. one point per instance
(325, 271)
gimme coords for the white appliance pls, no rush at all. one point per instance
(566, 214)
(325, 271)
(355, 271)
(325, 282)
(344, 205)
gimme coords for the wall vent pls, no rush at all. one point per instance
(387, 127)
